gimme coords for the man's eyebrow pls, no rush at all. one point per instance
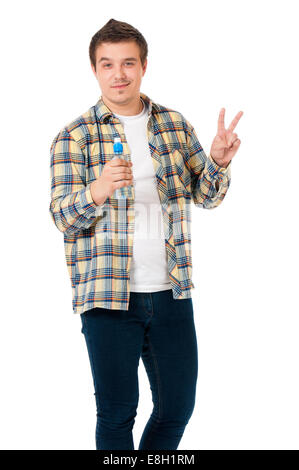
(107, 58)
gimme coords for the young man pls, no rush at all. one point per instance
(132, 285)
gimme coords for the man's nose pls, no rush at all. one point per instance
(119, 72)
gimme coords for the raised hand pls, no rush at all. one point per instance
(226, 143)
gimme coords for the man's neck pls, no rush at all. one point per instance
(131, 110)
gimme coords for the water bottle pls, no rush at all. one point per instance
(118, 151)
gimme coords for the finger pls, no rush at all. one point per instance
(235, 121)
(221, 127)
(219, 143)
(121, 176)
(231, 139)
(235, 145)
(122, 169)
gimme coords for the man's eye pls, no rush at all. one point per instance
(131, 63)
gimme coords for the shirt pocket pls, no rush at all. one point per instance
(180, 171)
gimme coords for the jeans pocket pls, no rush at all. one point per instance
(83, 319)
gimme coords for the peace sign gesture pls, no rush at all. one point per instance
(226, 143)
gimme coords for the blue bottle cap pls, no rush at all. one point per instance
(117, 146)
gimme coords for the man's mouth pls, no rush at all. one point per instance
(121, 86)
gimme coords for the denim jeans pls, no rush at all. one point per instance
(161, 331)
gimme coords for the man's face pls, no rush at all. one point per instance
(119, 64)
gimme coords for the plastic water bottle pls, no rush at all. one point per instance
(118, 151)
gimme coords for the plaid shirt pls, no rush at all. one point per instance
(98, 240)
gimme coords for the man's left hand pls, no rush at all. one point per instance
(226, 143)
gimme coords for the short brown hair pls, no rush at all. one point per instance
(117, 31)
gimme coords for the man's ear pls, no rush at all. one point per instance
(145, 66)
(93, 69)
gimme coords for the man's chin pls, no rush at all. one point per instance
(121, 97)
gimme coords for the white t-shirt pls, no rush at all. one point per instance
(149, 270)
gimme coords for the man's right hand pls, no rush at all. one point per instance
(116, 174)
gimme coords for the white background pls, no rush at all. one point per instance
(203, 55)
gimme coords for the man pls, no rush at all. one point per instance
(133, 291)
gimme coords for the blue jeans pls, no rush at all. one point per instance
(161, 331)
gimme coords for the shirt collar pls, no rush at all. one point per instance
(104, 113)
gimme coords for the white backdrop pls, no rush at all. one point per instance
(203, 55)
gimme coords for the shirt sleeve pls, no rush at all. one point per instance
(209, 181)
(72, 207)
